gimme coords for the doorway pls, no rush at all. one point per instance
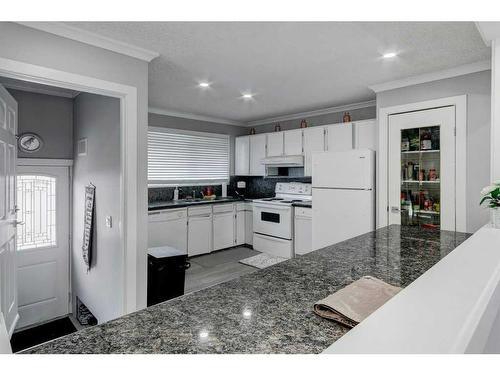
(43, 243)
(422, 168)
(389, 192)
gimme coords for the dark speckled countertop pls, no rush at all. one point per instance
(270, 310)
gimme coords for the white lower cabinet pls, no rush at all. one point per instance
(239, 224)
(168, 228)
(199, 230)
(223, 224)
(303, 230)
(249, 223)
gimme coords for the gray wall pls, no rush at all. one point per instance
(97, 118)
(330, 118)
(47, 50)
(51, 117)
(200, 126)
(477, 87)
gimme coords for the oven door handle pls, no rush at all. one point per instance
(274, 207)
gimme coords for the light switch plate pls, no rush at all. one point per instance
(241, 184)
(109, 221)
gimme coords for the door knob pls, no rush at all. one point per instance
(15, 223)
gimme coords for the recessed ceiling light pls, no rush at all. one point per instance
(247, 96)
(204, 84)
(389, 55)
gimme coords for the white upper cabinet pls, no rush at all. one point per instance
(293, 142)
(339, 137)
(257, 153)
(275, 144)
(314, 140)
(242, 156)
(365, 134)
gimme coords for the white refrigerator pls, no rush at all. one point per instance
(343, 195)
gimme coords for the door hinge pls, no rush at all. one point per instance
(455, 132)
(387, 208)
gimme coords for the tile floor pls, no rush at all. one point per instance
(218, 267)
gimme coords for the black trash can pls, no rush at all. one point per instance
(166, 273)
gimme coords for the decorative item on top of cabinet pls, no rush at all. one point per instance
(252, 131)
(347, 117)
(277, 127)
(303, 124)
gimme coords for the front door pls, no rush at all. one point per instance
(42, 243)
(8, 154)
(422, 168)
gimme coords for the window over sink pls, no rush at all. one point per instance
(178, 157)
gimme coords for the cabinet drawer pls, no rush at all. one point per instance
(167, 215)
(240, 206)
(249, 206)
(303, 211)
(219, 208)
(205, 210)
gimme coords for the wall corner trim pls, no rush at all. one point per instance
(461, 70)
(93, 39)
(192, 116)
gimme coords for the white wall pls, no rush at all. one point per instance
(36, 47)
(51, 117)
(97, 118)
(477, 87)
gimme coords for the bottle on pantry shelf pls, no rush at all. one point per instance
(409, 172)
(435, 138)
(416, 171)
(421, 175)
(426, 141)
(405, 144)
(432, 174)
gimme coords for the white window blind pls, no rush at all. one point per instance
(176, 157)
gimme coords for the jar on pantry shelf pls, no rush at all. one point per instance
(432, 174)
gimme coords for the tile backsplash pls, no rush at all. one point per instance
(256, 187)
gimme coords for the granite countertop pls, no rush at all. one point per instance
(270, 310)
(187, 203)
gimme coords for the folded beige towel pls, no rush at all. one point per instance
(352, 304)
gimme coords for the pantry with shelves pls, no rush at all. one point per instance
(420, 176)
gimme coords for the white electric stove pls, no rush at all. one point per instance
(273, 218)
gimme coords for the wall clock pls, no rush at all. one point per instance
(30, 142)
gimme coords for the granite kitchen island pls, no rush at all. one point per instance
(270, 310)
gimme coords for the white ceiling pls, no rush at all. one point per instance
(291, 67)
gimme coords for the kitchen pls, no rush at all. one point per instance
(256, 213)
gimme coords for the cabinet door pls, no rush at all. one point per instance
(275, 144)
(257, 153)
(293, 142)
(314, 140)
(223, 230)
(249, 227)
(303, 231)
(240, 228)
(339, 137)
(176, 232)
(365, 135)
(199, 234)
(242, 156)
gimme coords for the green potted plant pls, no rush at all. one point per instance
(491, 198)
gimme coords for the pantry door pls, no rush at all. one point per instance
(422, 170)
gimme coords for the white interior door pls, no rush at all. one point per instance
(8, 154)
(422, 170)
(42, 243)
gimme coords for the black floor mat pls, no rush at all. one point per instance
(40, 334)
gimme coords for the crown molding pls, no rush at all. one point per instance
(318, 112)
(489, 31)
(192, 116)
(434, 76)
(71, 94)
(93, 39)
